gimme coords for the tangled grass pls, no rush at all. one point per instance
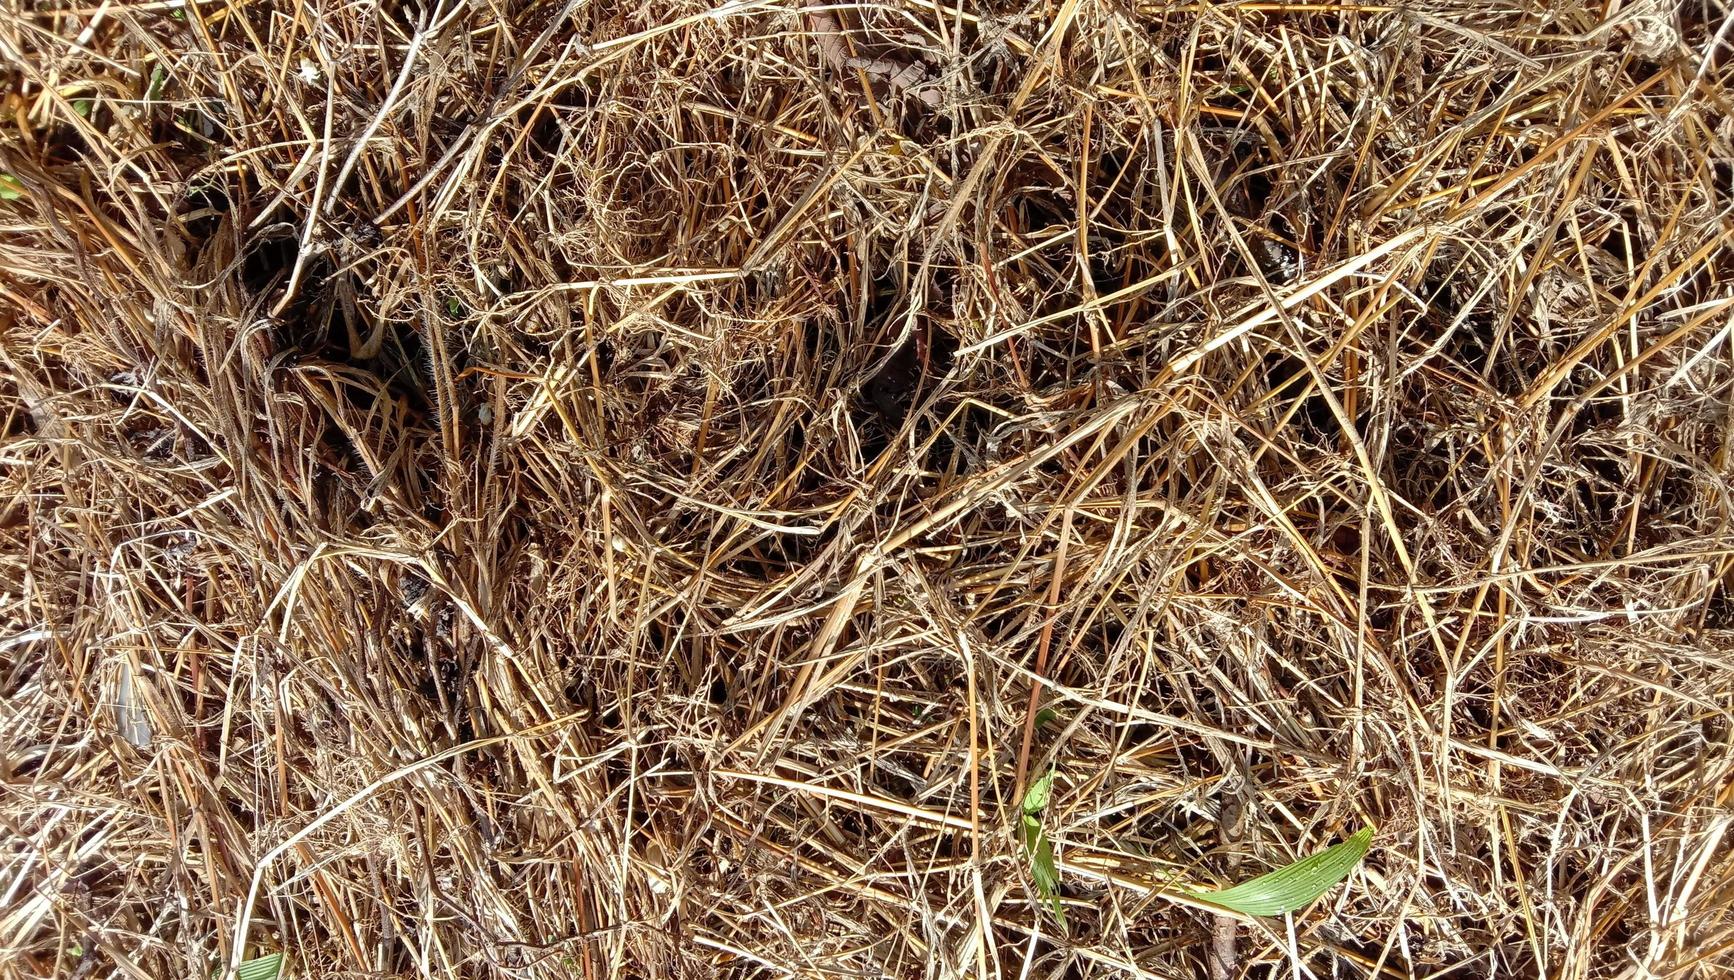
(511, 489)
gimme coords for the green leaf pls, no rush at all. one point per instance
(1298, 885)
(1036, 797)
(1042, 868)
(1038, 847)
(10, 188)
(1046, 717)
(261, 968)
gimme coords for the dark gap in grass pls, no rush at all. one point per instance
(268, 258)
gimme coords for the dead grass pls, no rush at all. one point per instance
(603, 490)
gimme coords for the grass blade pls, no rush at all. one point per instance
(1039, 849)
(1043, 871)
(1298, 885)
(261, 968)
(1036, 797)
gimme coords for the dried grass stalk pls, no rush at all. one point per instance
(600, 490)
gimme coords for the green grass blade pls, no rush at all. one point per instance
(1036, 797)
(261, 968)
(1043, 871)
(1038, 848)
(1298, 885)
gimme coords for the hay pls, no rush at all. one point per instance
(593, 490)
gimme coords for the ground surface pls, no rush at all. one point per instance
(511, 489)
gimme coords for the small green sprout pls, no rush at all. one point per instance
(1040, 849)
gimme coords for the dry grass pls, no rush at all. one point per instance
(603, 490)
